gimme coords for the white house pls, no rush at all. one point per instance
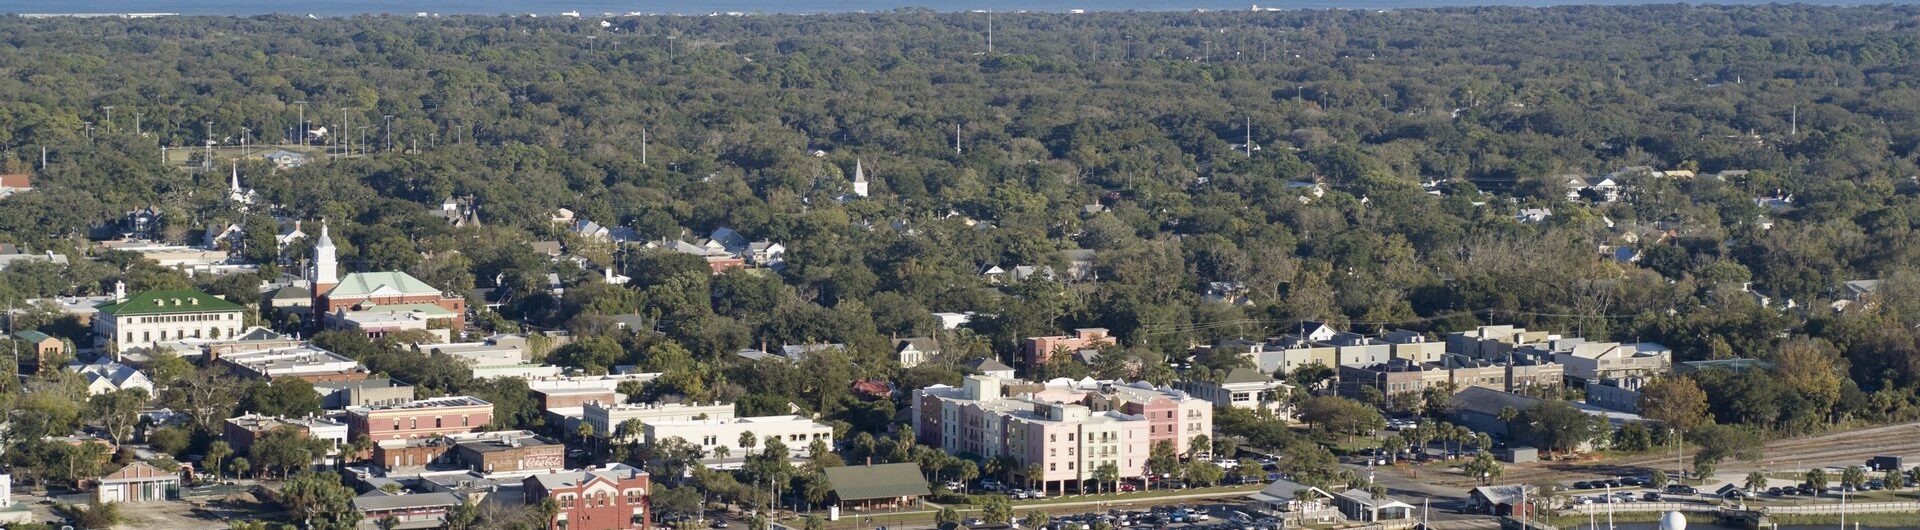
(797, 432)
(108, 376)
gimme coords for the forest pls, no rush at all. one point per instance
(1126, 134)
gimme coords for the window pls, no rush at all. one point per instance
(413, 423)
(436, 422)
(465, 421)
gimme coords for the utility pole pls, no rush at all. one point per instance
(1249, 136)
(136, 123)
(956, 138)
(343, 131)
(303, 122)
(244, 152)
(109, 109)
(989, 32)
(389, 119)
(208, 163)
(643, 145)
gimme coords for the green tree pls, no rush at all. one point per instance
(946, 517)
(1853, 477)
(1817, 478)
(217, 452)
(997, 509)
(1484, 468)
(1202, 473)
(1659, 480)
(1036, 519)
(1559, 426)
(320, 501)
(1756, 481)
(286, 396)
(1106, 475)
(1676, 401)
(1163, 460)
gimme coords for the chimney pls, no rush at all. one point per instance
(120, 291)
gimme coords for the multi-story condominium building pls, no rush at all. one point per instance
(607, 418)
(1594, 361)
(1065, 429)
(1493, 342)
(606, 498)
(1290, 352)
(797, 432)
(1354, 348)
(1414, 346)
(423, 418)
(154, 317)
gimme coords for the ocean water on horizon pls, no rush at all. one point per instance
(335, 8)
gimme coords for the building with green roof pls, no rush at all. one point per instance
(897, 485)
(153, 317)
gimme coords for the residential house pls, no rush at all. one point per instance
(1533, 215)
(912, 351)
(284, 159)
(288, 235)
(104, 376)
(15, 183)
(1079, 264)
(1231, 293)
(457, 213)
(988, 367)
(614, 497)
(1243, 388)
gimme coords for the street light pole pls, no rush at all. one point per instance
(389, 119)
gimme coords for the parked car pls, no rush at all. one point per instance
(1128, 486)
(1681, 489)
(1037, 494)
(1775, 491)
(1651, 496)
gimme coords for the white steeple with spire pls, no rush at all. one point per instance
(235, 193)
(326, 266)
(859, 178)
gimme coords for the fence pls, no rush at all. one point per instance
(1636, 507)
(1853, 507)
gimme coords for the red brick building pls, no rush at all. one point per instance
(608, 498)
(423, 418)
(332, 292)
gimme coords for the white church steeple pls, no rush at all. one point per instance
(859, 178)
(326, 265)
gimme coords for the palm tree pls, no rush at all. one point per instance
(1756, 481)
(747, 441)
(217, 451)
(720, 452)
(1032, 473)
(548, 509)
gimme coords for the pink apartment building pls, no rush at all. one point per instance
(1068, 428)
